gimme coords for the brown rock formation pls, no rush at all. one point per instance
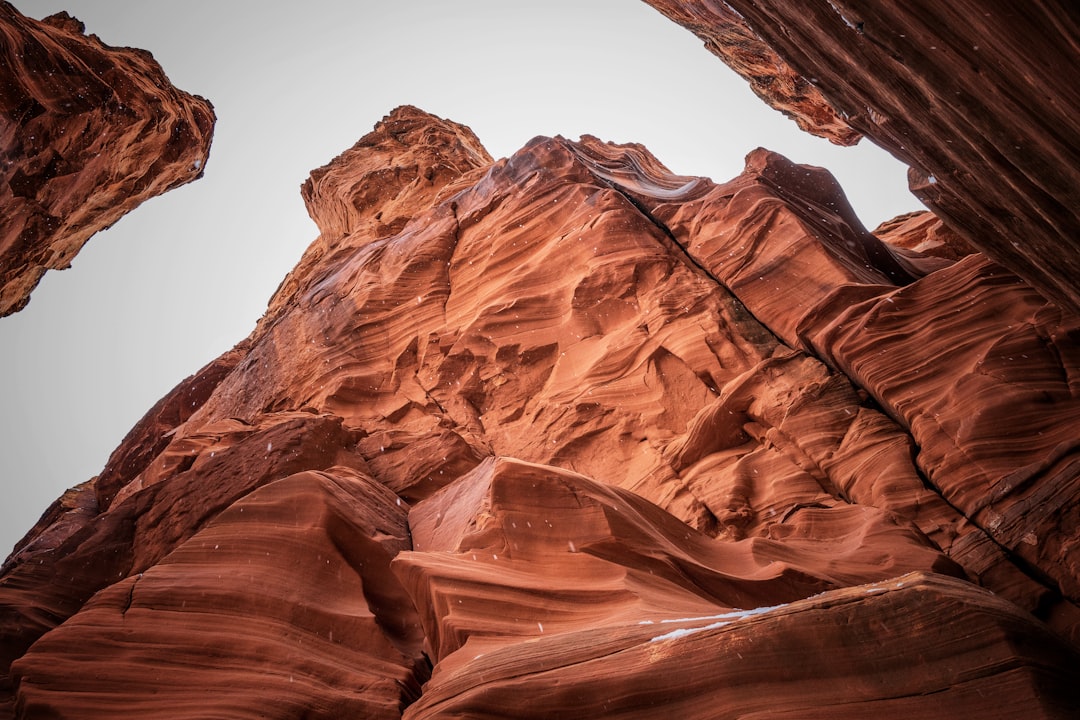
(591, 439)
(727, 36)
(89, 132)
(924, 233)
(298, 573)
(807, 659)
(979, 98)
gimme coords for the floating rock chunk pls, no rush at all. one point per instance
(88, 133)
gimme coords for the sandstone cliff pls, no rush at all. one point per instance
(567, 435)
(979, 98)
(88, 133)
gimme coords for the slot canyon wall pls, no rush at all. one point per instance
(979, 98)
(567, 435)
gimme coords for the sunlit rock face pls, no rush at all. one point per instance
(87, 133)
(566, 435)
(979, 98)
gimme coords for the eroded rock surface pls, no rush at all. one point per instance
(727, 35)
(298, 573)
(979, 98)
(784, 661)
(88, 133)
(578, 436)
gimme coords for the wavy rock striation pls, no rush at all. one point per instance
(89, 132)
(566, 434)
(298, 571)
(979, 98)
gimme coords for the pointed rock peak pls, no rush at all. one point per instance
(376, 185)
(63, 20)
(809, 182)
(814, 193)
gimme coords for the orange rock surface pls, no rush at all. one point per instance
(979, 98)
(89, 132)
(565, 435)
(287, 593)
(807, 659)
(924, 233)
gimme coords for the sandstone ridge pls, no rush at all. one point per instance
(570, 434)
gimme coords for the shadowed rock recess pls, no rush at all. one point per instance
(87, 133)
(567, 435)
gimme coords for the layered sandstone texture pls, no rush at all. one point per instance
(979, 98)
(567, 435)
(87, 133)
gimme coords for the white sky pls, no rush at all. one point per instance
(184, 277)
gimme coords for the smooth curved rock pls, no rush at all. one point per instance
(283, 606)
(89, 133)
(514, 549)
(189, 484)
(613, 396)
(979, 98)
(995, 411)
(812, 658)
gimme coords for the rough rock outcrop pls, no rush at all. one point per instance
(88, 133)
(569, 434)
(979, 98)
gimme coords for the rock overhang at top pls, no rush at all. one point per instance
(978, 98)
(90, 132)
